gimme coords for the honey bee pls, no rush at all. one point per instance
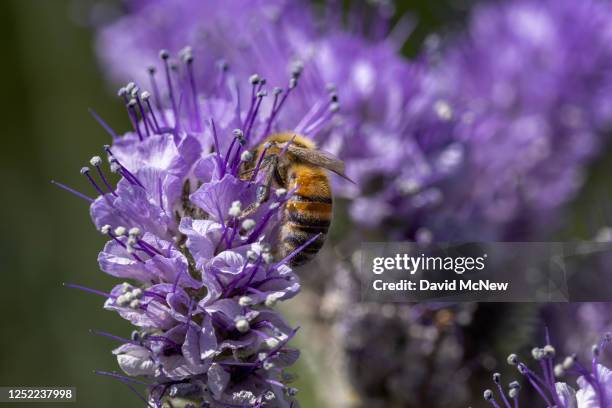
(293, 162)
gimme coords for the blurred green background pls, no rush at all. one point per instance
(50, 78)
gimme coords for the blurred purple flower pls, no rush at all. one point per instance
(202, 277)
(526, 100)
(594, 381)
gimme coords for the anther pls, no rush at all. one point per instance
(223, 65)
(268, 258)
(245, 301)
(280, 192)
(248, 224)
(512, 359)
(568, 362)
(271, 342)
(239, 135)
(559, 370)
(537, 353)
(549, 351)
(246, 156)
(277, 91)
(164, 54)
(84, 170)
(488, 395)
(186, 55)
(257, 248)
(262, 93)
(151, 69)
(254, 79)
(443, 110)
(120, 231)
(121, 300)
(134, 92)
(145, 95)
(595, 350)
(242, 325)
(496, 378)
(296, 69)
(135, 232)
(105, 229)
(272, 298)
(95, 161)
(236, 209)
(134, 304)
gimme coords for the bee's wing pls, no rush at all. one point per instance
(319, 158)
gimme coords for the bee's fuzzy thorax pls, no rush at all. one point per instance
(298, 140)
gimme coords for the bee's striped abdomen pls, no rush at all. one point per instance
(307, 214)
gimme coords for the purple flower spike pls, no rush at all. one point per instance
(201, 274)
(594, 381)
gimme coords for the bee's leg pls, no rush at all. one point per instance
(263, 191)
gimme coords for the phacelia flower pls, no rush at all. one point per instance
(197, 256)
(358, 61)
(594, 381)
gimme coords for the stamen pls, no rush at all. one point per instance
(143, 113)
(298, 250)
(106, 127)
(146, 98)
(259, 161)
(96, 161)
(217, 149)
(126, 382)
(497, 381)
(89, 290)
(72, 191)
(157, 95)
(85, 172)
(164, 55)
(122, 377)
(276, 92)
(113, 337)
(187, 57)
(124, 171)
(131, 106)
(488, 396)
